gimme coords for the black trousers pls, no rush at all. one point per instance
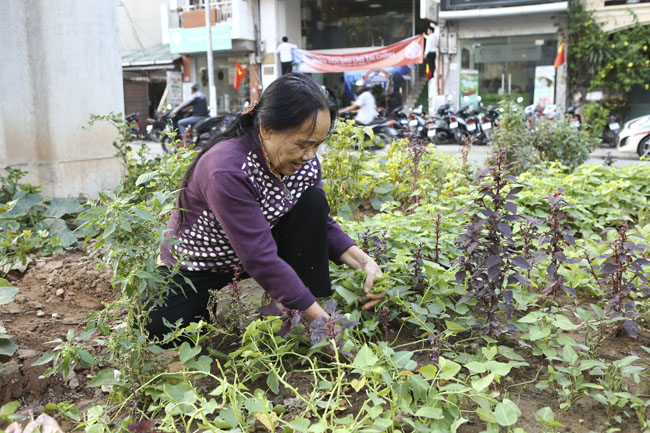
(431, 61)
(301, 237)
(286, 67)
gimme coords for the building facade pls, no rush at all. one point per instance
(503, 48)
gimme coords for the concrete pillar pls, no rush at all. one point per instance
(62, 63)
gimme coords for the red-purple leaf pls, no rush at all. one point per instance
(520, 262)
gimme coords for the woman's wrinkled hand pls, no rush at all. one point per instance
(372, 270)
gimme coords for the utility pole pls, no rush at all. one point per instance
(212, 91)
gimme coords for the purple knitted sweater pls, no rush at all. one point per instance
(232, 201)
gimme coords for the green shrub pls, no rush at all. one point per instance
(595, 119)
(556, 140)
(515, 138)
(528, 143)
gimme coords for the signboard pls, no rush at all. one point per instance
(429, 10)
(195, 40)
(469, 87)
(544, 86)
(174, 88)
(508, 53)
(406, 52)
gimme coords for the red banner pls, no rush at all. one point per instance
(406, 52)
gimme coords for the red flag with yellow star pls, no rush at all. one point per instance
(240, 73)
(559, 59)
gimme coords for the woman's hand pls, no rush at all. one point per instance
(372, 270)
(355, 258)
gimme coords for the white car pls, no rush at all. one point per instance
(635, 136)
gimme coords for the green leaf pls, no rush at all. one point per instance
(482, 383)
(187, 352)
(430, 412)
(454, 327)
(569, 355)
(273, 383)
(476, 367)
(300, 424)
(457, 423)
(20, 207)
(448, 369)
(537, 333)
(365, 358)
(59, 229)
(500, 368)
(146, 177)
(545, 415)
(507, 413)
(563, 323)
(429, 371)
(8, 409)
(7, 293)
(59, 207)
(47, 357)
(349, 296)
(105, 377)
(403, 361)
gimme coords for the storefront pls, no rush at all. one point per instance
(342, 26)
(502, 52)
(508, 65)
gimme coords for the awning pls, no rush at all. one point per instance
(155, 57)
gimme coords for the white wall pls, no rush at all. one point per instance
(64, 65)
(242, 20)
(140, 24)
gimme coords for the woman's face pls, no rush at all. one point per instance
(291, 149)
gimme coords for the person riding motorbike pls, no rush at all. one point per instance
(365, 105)
(199, 105)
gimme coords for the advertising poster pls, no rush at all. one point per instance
(174, 88)
(469, 87)
(544, 86)
(389, 79)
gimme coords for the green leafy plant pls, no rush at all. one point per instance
(7, 295)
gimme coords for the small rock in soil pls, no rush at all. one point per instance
(60, 292)
(27, 353)
(40, 313)
(56, 315)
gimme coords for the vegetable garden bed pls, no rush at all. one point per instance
(514, 304)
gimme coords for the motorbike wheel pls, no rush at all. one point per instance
(461, 136)
(155, 135)
(644, 148)
(386, 139)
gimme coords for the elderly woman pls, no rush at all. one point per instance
(253, 199)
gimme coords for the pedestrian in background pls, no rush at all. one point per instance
(431, 50)
(284, 52)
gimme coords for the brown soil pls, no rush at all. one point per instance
(57, 293)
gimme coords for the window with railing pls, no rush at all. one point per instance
(223, 8)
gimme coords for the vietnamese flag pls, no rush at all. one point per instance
(240, 73)
(559, 59)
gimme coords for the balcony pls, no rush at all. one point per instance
(194, 15)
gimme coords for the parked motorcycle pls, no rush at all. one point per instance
(417, 124)
(610, 135)
(202, 131)
(439, 127)
(133, 124)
